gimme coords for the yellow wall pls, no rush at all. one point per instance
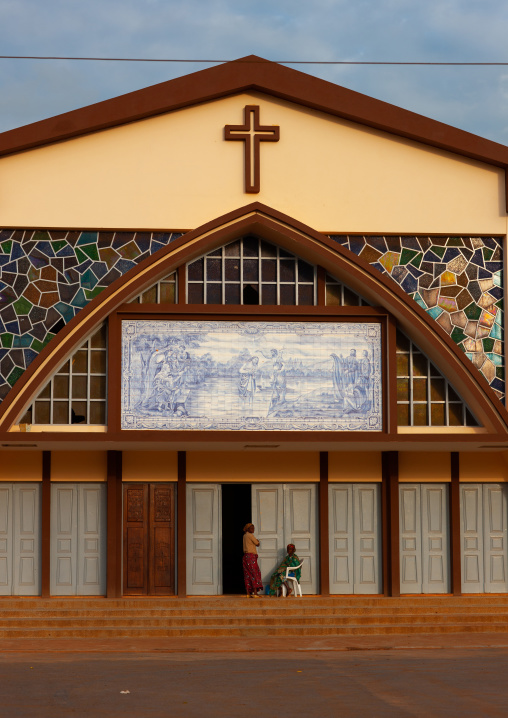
(149, 466)
(21, 466)
(478, 467)
(78, 466)
(176, 171)
(424, 466)
(221, 467)
(353, 466)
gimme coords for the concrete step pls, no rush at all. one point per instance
(251, 631)
(207, 621)
(279, 614)
(224, 603)
(97, 617)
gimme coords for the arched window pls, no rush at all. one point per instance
(247, 271)
(424, 396)
(76, 393)
(163, 292)
(251, 271)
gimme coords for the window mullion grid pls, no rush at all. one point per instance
(447, 412)
(69, 398)
(88, 375)
(223, 274)
(205, 280)
(411, 405)
(297, 282)
(315, 285)
(241, 270)
(429, 405)
(260, 276)
(105, 399)
(51, 400)
(277, 275)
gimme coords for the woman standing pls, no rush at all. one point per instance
(251, 572)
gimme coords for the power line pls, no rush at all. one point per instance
(279, 62)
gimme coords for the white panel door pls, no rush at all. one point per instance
(435, 538)
(410, 539)
(20, 539)
(268, 520)
(494, 538)
(424, 538)
(300, 528)
(355, 538)
(471, 531)
(27, 539)
(367, 538)
(204, 549)
(64, 539)
(6, 539)
(340, 517)
(78, 539)
(91, 579)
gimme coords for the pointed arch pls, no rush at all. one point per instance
(299, 239)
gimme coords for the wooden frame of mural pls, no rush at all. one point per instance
(283, 317)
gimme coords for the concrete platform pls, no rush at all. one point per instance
(441, 682)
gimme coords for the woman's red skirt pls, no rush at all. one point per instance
(251, 573)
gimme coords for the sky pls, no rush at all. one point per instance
(471, 98)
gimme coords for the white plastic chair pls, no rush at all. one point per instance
(296, 585)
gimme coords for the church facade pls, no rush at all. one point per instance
(248, 294)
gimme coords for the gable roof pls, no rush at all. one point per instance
(253, 73)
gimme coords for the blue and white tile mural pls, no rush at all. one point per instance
(251, 375)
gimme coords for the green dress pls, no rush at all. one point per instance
(278, 577)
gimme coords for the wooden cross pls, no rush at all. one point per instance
(251, 134)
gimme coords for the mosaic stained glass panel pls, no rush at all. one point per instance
(46, 278)
(456, 280)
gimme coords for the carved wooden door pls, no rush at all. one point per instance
(149, 555)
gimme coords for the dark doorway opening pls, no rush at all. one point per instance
(236, 512)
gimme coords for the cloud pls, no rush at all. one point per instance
(383, 30)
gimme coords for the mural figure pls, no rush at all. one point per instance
(351, 380)
(351, 369)
(278, 384)
(365, 370)
(164, 386)
(247, 383)
(229, 375)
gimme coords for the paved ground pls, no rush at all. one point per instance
(467, 679)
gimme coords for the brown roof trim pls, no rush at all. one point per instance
(309, 244)
(252, 73)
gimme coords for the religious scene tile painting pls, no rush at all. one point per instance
(251, 375)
